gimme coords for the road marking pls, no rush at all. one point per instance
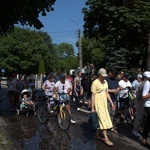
(86, 111)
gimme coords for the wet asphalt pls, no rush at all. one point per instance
(21, 133)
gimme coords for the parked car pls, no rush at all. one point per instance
(3, 80)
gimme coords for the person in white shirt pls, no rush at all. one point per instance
(124, 84)
(63, 86)
(137, 84)
(146, 100)
(48, 85)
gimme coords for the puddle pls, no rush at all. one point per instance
(29, 134)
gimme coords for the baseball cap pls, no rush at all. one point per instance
(62, 76)
(146, 74)
(102, 72)
(139, 76)
(126, 75)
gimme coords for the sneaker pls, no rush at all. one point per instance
(135, 133)
(78, 109)
(74, 99)
(18, 112)
(73, 121)
(27, 115)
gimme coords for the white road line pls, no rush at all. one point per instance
(86, 111)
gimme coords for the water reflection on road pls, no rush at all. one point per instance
(29, 133)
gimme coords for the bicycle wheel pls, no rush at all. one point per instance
(64, 119)
(42, 114)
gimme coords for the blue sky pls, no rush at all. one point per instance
(58, 23)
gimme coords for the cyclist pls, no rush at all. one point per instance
(48, 86)
(63, 86)
(124, 84)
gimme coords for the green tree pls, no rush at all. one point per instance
(24, 12)
(65, 57)
(93, 51)
(41, 67)
(22, 50)
(125, 23)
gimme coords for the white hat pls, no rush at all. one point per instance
(146, 74)
(102, 72)
(139, 76)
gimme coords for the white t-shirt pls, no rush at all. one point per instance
(135, 85)
(11, 85)
(124, 93)
(146, 90)
(49, 87)
(62, 87)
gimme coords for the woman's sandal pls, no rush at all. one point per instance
(108, 143)
(113, 130)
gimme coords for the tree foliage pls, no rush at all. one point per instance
(125, 24)
(65, 58)
(24, 12)
(22, 50)
(93, 51)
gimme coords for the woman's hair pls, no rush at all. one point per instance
(50, 76)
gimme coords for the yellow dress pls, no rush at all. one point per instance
(101, 107)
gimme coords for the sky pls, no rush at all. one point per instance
(59, 23)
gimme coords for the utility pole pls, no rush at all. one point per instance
(80, 49)
(80, 46)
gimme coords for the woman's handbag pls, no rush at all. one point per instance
(93, 120)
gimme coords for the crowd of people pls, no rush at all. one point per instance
(102, 93)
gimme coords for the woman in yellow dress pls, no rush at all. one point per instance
(100, 96)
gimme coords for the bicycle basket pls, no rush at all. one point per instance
(63, 96)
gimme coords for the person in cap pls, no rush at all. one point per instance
(113, 89)
(136, 83)
(119, 76)
(63, 86)
(124, 84)
(100, 95)
(146, 101)
(138, 105)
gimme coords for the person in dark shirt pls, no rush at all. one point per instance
(86, 84)
(113, 89)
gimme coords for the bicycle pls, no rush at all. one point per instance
(49, 106)
(123, 106)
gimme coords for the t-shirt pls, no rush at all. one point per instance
(11, 85)
(112, 84)
(135, 85)
(49, 87)
(86, 84)
(146, 90)
(62, 87)
(124, 93)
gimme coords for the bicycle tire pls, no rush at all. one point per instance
(42, 114)
(64, 119)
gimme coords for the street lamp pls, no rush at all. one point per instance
(80, 46)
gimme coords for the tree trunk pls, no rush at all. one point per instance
(148, 54)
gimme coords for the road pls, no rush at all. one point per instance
(29, 133)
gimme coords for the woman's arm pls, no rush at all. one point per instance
(93, 102)
(15, 89)
(75, 89)
(43, 87)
